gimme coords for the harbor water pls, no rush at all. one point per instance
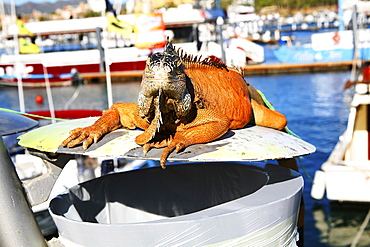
(316, 111)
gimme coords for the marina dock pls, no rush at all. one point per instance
(287, 68)
(259, 69)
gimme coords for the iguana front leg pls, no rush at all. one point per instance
(120, 114)
(206, 127)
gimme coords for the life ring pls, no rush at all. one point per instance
(336, 38)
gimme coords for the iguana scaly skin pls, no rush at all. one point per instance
(184, 100)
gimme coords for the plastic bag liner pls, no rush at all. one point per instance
(187, 204)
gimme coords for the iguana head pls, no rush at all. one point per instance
(163, 86)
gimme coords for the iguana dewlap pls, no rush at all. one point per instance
(183, 100)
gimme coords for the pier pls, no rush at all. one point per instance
(259, 69)
(283, 68)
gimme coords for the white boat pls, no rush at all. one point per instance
(84, 45)
(333, 46)
(345, 175)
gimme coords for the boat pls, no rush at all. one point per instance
(65, 114)
(336, 45)
(211, 36)
(37, 80)
(84, 45)
(345, 175)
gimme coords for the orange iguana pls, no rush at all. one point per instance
(183, 100)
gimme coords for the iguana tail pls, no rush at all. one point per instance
(258, 96)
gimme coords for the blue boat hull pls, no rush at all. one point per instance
(295, 54)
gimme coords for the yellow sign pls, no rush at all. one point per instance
(26, 47)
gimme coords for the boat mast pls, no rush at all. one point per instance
(49, 94)
(17, 65)
(117, 5)
(356, 62)
(107, 64)
(340, 14)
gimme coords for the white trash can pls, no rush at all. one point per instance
(188, 204)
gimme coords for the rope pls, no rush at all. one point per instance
(361, 230)
(268, 104)
(32, 115)
(300, 158)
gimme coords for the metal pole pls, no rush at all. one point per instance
(340, 15)
(100, 48)
(17, 66)
(218, 4)
(18, 226)
(107, 71)
(220, 23)
(356, 63)
(109, 82)
(49, 94)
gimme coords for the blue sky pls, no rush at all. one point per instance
(20, 2)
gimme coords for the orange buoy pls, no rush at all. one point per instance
(39, 99)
